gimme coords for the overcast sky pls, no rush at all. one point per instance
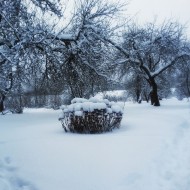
(146, 10)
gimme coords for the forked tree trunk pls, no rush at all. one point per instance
(154, 94)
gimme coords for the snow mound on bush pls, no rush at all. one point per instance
(78, 100)
(89, 105)
(117, 109)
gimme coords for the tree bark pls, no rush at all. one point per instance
(138, 96)
(154, 93)
(2, 107)
(187, 82)
(146, 97)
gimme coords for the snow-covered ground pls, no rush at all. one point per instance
(151, 151)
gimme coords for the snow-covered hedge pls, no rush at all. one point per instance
(91, 115)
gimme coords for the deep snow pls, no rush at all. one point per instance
(151, 151)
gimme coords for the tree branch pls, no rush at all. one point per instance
(162, 69)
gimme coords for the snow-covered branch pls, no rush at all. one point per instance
(183, 58)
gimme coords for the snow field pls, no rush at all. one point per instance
(10, 180)
(150, 151)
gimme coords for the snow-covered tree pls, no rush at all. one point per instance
(153, 50)
(182, 86)
(86, 55)
(19, 35)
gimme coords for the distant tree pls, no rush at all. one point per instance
(136, 86)
(182, 86)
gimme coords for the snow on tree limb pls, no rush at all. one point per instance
(176, 59)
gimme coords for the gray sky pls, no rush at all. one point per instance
(147, 10)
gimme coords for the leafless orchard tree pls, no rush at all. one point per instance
(87, 56)
(182, 81)
(153, 50)
(18, 33)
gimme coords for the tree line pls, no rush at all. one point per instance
(40, 61)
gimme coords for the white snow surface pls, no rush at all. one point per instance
(78, 100)
(78, 105)
(79, 113)
(116, 109)
(151, 151)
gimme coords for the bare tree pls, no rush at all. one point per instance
(18, 33)
(153, 50)
(182, 86)
(86, 55)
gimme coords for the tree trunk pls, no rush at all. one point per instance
(154, 94)
(146, 97)
(138, 96)
(187, 83)
(2, 107)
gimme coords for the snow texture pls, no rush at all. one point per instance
(78, 100)
(116, 109)
(9, 178)
(151, 151)
(66, 36)
(80, 105)
(79, 113)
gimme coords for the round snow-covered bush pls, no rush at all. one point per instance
(91, 115)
